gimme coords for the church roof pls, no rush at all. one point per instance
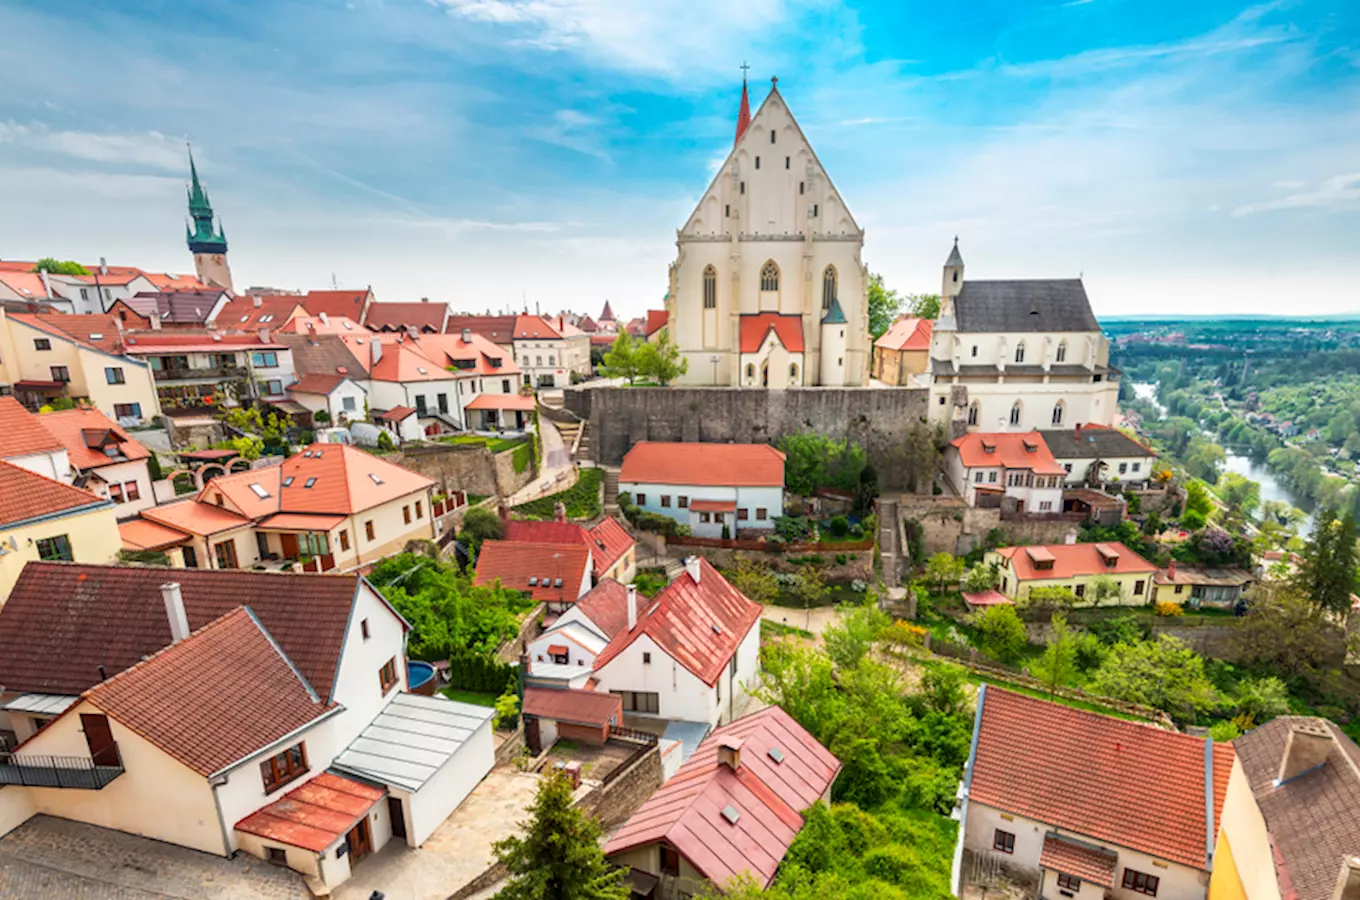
(1058, 304)
(788, 330)
(606, 314)
(955, 259)
(835, 315)
(743, 114)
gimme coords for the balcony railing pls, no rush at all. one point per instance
(184, 373)
(56, 771)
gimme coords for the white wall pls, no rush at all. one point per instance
(449, 786)
(55, 464)
(771, 499)
(122, 473)
(681, 694)
(1136, 468)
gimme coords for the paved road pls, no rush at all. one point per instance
(814, 620)
(556, 461)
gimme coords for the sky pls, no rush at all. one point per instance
(1195, 157)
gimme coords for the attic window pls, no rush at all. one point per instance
(731, 814)
(288, 482)
(348, 326)
(309, 482)
(1031, 447)
(244, 318)
(96, 335)
(777, 755)
(260, 491)
(421, 370)
(374, 476)
(533, 581)
(988, 447)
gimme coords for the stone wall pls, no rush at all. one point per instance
(616, 801)
(473, 469)
(877, 419)
(950, 527)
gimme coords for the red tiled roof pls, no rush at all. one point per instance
(54, 608)
(143, 534)
(423, 315)
(1130, 784)
(611, 541)
(315, 815)
(1079, 860)
(150, 343)
(787, 328)
(700, 625)
(241, 313)
(240, 489)
(213, 698)
(986, 598)
(534, 327)
(907, 333)
(27, 495)
(606, 314)
(497, 329)
(21, 433)
(718, 465)
(193, 517)
(535, 532)
(578, 707)
(335, 303)
(300, 522)
(513, 563)
(657, 319)
(76, 427)
(397, 413)
(344, 482)
(606, 605)
(1009, 450)
(1075, 559)
(769, 797)
(502, 401)
(317, 383)
(99, 331)
(713, 505)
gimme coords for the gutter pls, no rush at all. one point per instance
(1209, 831)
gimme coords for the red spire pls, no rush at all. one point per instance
(743, 114)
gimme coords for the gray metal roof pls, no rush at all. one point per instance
(1051, 305)
(411, 739)
(955, 258)
(1093, 443)
(40, 704)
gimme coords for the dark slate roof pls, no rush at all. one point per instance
(181, 307)
(322, 354)
(1034, 305)
(63, 621)
(1094, 442)
(955, 258)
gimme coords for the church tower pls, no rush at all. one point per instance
(833, 344)
(953, 279)
(208, 245)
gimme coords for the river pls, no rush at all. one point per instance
(1271, 488)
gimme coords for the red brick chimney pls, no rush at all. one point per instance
(1171, 570)
(729, 753)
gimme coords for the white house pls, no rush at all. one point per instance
(567, 649)
(1082, 802)
(1030, 355)
(715, 489)
(278, 740)
(1120, 459)
(983, 468)
(103, 458)
(342, 398)
(550, 350)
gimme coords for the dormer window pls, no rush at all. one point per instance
(1031, 447)
(988, 447)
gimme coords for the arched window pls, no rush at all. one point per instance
(769, 276)
(750, 371)
(1015, 413)
(1058, 409)
(1020, 352)
(828, 286)
(1062, 352)
(974, 410)
(710, 288)
(793, 372)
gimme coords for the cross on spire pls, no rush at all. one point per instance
(774, 81)
(744, 69)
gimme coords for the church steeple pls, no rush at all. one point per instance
(201, 235)
(744, 113)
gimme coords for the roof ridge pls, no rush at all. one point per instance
(307, 685)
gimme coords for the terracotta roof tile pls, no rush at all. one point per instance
(336, 303)
(75, 428)
(63, 621)
(1079, 860)
(193, 517)
(606, 605)
(658, 319)
(513, 563)
(344, 480)
(535, 532)
(1008, 450)
(274, 311)
(423, 316)
(99, 331)
(700, 624)
(317, 383)
(27, 495)
(718, 465)
(787, 328)
(325, 354)
(503, 401)
(213, 698)
(534, 327)
(497, 329)
(143, 534)
(1130, 784)
(907, 333)
(315, 815)
(579, 707)
(611, 541)
(1075, 559)
(21, 432)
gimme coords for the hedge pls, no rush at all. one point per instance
(470, 671)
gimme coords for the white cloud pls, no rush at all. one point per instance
(150, 148)
(1335, 193)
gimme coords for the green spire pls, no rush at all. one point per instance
(201, 235)
(835, 315)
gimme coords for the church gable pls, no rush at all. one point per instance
(783, 181)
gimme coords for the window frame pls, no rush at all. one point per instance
(56, 543)
(1003, 841)
(1069, 882)
(369, 532)
(710, 287)
(42, 343)
(387, 676)
(61, 374)
(1132, 879)
(114, 375)
(276, 775)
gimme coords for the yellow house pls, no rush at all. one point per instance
(41, 518)
(1288, 827)
(1074, 566)
(1194, 586)
(47, 355)
(903, 350)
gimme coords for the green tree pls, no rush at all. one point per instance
(1001, 633)
(1102, 588)
(1048, 599)
(621, 359)
(1204, 459)
(754, 580)
(1327, 573)
(480, 524)
(925, 306)
(558, 857)
(1261, 699)
(850, 639)
(1163, 673)
(1288, 634)
(810, 587)
(58, 267)
(1240, 495)
(1197, 499)
(982, 577)
(1059, 662)
(884, 305)
(944, 571)
(661, 360)
(813, 461)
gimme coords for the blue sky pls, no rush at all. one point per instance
(1182, 156)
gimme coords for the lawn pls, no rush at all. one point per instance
(495, 445)
(649, 582)
(476, 698)
(582, 499)
(835, 595)
(771, 629)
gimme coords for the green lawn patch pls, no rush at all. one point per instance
(477, 698)
(771, 629)
(582, 499)
(650, 582)
(835, 595)
(495, 445)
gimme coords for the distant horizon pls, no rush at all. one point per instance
(485, 153)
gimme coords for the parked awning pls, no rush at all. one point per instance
(39, 385)
(557, 649)
(502, 401)
(40, 704)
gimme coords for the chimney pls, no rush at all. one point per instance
(376, 346)
(424, 299)
(504, 512)
(174, 611)
(322, 317)
(1171, 570)
(1076, 431)
(256, 301)
(692, 567)
(103, 266)
(1305, 749)
(47, 285)
(729, 753)
(467, 335)
(264, 335)
(560, 512)
(632, 606)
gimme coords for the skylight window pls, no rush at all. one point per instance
(374, 476)
(421, 370)
(96, 335)
(288, 482)
(245, 318)
(717, 629)
(309, 483)
(533, 581)
(731, 814)
(777, 755)
(260, 491)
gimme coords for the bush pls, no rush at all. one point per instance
(792, 528)
(471, 671)
(385, 441)
(1002, 634)
(840, 526)
(480, 524)
(523, 455)
(1193, 520)
(581, 499)
(842, 559)
(1169, 608)
(507, 709)
(857, 530)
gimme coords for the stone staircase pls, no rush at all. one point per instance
(584, 450)
(611, 491)
(568, 430)
(674, 569)
(889, 550)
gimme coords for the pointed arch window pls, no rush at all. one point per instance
(974, 411)
(769, 276)
(1061, 355)
(1020, 352)
(710, 288)
(793, 372)
(750, 371)
(1058, 409)
(1015, 413)
(828, 287)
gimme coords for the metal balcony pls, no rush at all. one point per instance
(56, 771)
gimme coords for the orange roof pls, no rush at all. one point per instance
(1071, 560)
(787, 328)
(315, 815)
(432, 357)
(502, 401)
(212, 699)
(21, 433)
(28, 285)
(27, 495)
(199, 341)
(95, 330)
(657, 319)
(575, 706)
(1127, 783)
(305, 324)
(611, 542)
(317, 383)
(286, 521)
(531, 327)
(1007, 450)
(718, 506)
(143, 534)
(700, 624)
(514, 563)
(274, 311)
(336, 303)
(1093, 864)
(344, 480)
(907, 333)
(85, 431)
(254, 492)
(718, 465)
(190, 516)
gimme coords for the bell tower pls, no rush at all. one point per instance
(206, 243)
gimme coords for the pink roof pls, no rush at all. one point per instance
(718, 465)
(907, 333)
(699, 624)
(1007, 450)
(787, 328)
(767, 796)
(986, 598)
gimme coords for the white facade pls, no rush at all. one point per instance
(771, 234)
(1131, 469)
(549, 362)
(1038, 493)
(125, 475)
(344, 404)
(756, 507)
(54, 464)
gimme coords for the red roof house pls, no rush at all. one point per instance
(744, 465)
(556, 574)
